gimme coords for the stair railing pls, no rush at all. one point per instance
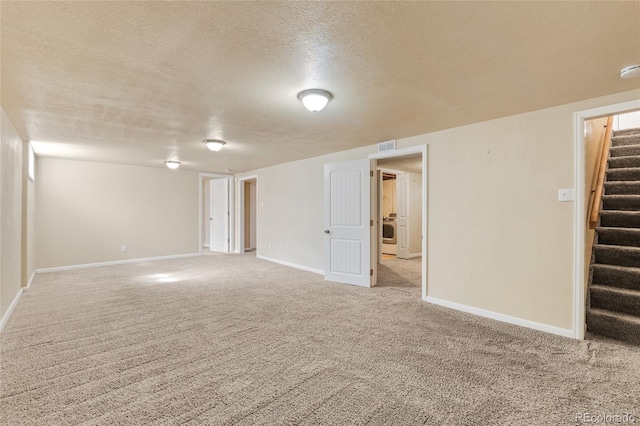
(602, 168)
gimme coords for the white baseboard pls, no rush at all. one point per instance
(292, 265)
(116, 262)
(12, 306)
(412, 255)
(33, 275)
(501, 317)
(205, 245)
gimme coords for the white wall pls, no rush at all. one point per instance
(498, 239)
(30, 217)
(630, 120)
(388, 194)
(87, 210)
(10, 213)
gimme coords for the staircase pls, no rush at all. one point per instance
(614, 290)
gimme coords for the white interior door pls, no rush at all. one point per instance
(402, 222)
(219, 215)
(347, 232)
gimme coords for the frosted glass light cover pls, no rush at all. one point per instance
(214, 144)
(314, 99)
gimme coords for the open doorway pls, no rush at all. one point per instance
(612, 268)
(585, 156)
(400, 220)
(248, 208)
(352, 219)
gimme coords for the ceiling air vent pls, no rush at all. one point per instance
(387, 146)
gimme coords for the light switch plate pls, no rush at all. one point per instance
(566, 194)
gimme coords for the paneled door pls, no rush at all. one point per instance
(219, 215)
(402, 218)
(347, 220)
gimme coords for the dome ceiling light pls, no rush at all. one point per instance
(630, 71)
(172, 164)
(315, 99)
(214, 144)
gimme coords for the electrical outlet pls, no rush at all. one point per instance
(286, 246)
(270, 246)
(123, 248)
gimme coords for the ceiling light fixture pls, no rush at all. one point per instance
(172, 164)
(630, 71)
(214, 144)
(315, 99)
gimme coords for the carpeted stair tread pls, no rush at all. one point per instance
(621, 219)
(613, 324)
(625, 150)
(630, 173)
(633, 131)
(622, 187)
(615, 299)
(628, 161)
(617, 255)
(616, 276)
(621, 202)
(614, 287)
(619, 236)
(622, 140)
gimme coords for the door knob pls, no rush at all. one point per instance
(326, 231)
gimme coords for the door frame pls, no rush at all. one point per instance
(241, 181)
(579, 207)
(201, 178)
(418, 149)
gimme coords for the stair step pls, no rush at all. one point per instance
(628, 174)
(635, 130)
(620, 162)
(621, 187)
(622, 140)
(625, 150)
(616, 276)
(617, 255)
(621, 202)
(615, 299)
(619, 236)
(619, 219)
(613, 324)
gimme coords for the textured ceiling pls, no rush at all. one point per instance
(142, 82)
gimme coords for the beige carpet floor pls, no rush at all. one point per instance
(401, 273)
(229, 339)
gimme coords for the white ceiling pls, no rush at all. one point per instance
(143, 82)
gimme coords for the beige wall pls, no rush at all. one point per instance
(415, 213)
(87, 210)
(594, 141)
(10, 213)
(498, 239)
(249, 215)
